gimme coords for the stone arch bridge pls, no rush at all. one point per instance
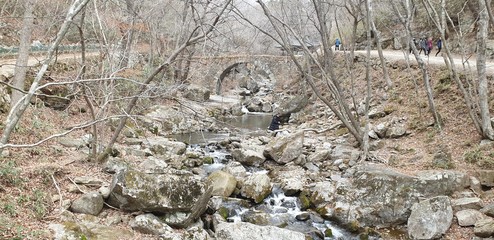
(220, 68)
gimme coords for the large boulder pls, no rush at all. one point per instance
(292, 178)
(249, 231)
(179, 196)
(223, 183)
(257, 187)
(430, 219)
(285, 149)
(162, 146)
(248, 156)
(378, 196)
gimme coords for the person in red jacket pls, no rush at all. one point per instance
(429, 46)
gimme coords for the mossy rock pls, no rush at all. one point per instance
(328, 233)
(208, 160)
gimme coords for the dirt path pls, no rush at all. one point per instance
(7, 65)
(391, 55)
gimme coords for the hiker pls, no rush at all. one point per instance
(415, 44)
(337, 44)
(275, 123)
(423, 46)
(429, 46)
(439, 45)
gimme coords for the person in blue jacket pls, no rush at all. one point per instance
(337, 44)
(439, 45)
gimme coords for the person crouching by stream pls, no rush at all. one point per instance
(275, 123)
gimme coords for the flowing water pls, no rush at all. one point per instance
(247, 124)
(277, 209)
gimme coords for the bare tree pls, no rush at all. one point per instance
(21, 65)
(483, 88)
(377, 36)
(475, 99)
(405, 20)
(18, 110)
(200, 33)
(336, 100)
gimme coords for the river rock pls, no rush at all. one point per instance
(248, 157)
(179, 195)
(257, 187)
(285, 149)
(249, 231)
(163, 146)
(430, 219)
(223, 183)
(468, 217)
(89, 203)
(484, 228)
(293, 179)
(236, 169)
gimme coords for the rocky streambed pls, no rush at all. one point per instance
(241, 183)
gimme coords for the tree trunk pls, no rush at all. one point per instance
(21, 65)
(483, 89)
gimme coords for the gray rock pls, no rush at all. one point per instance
(236, 169)
(88, 180)
(175, 192)
(381, 130)
(486, 177)
(115, 165)
(396, 131)
(468, 217)
(248, 157)
(320, 156)
(150, 224)
(285, 149)
(153, 165)
(292, 179)
(381, 197)
(488, 210)
(162, 146)
(467, 203)
(223, 183)
(249, 231)
(74, 230)
(104, 191)
(430, 219)
(484, 228)
(257, 187)
(72, 143)
(89, 203)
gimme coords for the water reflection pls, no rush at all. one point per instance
(252, 124)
